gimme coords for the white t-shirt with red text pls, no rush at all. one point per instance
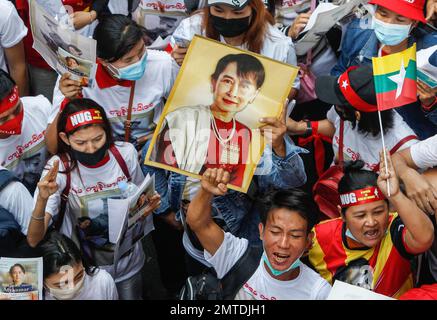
(308, 285)
(150, 92)
(26, 154)
(90, 189)
(357, 146)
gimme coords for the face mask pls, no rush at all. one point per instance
(132, 72)
(67, 293)
(350, 235)
(91, 159)
(390, 34)
(13, 126)
(230, 28)
(275, 272)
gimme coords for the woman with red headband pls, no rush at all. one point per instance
(90, 167)
(371, 244)
(353, 119)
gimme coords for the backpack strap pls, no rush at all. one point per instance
(120, 161)
(341, 145)
(241, 272)
(398, 146)
(65, 192)
(6, 177)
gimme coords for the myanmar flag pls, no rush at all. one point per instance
(395, 79)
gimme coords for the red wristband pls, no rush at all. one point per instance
(315, 126)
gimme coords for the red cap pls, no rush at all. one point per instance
(412, 9)
(10, 100)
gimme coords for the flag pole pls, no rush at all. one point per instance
(385, 154)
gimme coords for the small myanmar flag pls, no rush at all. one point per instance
(395, 79)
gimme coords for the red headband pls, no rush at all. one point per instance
(81, 118)
(361, 196)
(9, 101)
(351, 96)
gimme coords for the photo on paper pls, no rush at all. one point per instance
(21, 278)
(211, 118)
(80, 69)
(126, 223)
(63, 49)
(159, 19)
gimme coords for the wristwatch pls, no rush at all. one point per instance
(309, 129)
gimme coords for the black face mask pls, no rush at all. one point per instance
(91, 159)
(230, 28)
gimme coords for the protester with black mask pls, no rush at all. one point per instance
(244, 24)
(88, 167)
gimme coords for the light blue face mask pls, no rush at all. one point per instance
(132, 72)
(275, 272)
(350, 235)
(390, 34)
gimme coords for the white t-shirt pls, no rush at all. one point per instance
(99, 286)
(26, 154)
(308, 285)
(12, 29)
(276, 45)
(367, 147)
(424, 153)
(17, 200)
(88, 196)
(150, 92)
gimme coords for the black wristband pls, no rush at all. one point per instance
(309, 129)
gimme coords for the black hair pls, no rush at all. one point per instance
(57, 251)
(74, 47)
(17, 265)
(247, 66)
(6, 84)
(355, 178)
(116, 35)
(292, 199)
(74, 106)
(369, 122)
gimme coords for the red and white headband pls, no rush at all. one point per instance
(9, 101)
(84, 117)
(361, 196)
(351, 96)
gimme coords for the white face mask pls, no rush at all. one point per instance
(67, 293)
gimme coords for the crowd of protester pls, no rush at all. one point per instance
(379, 236)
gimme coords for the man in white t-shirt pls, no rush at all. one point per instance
(422, 188)
(12, 32)
(287, 217)
(23, 122)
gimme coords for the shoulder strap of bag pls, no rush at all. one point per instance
(340, 144)
(127, 123)
(398, 146)
(120, 161)
(6, 177)
(65, 192)
(241, 272)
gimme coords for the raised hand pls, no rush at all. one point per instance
(387, 178)
(48, 186)
(178, 54)
(69, 88)
(215, 180)
(299, 24)
(274, 130)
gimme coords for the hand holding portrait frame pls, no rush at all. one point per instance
(211, 118)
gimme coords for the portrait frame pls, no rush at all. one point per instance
(195, 76)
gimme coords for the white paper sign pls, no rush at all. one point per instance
(345, 291)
